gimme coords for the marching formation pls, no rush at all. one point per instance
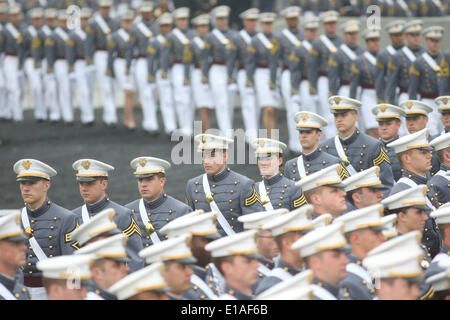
(361, 214)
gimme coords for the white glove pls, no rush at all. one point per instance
(232, 87)
(296, 99)
(315, 98)
(72, 76)
(249, 91)
(90, 68)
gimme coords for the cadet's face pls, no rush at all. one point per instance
(12, 255)
(369, 196)
(330, 28)
(266, 27)
(147, 16)
(110, 272)
(178, 277)
(373, 45)
(414, 219)
(50, 22)
(165, 28)
(292, 23)
(413, 40)
(93, 191)
(242, 270)
(3, 17)
(433, 45)
(351, 38)
(182, 23)
(250, 25)
(420, 160)
(202, 30)
(416, 123)
(34, 192)
(126, 24)
(37, 23)
(446, 120)
(222, 23)
(267, 246)
(269, 166)
(331, 266)
(309, 139)
(397, 39)
(345, 121)
(104, 11)
(400, 289)
(150, 188)
(370, 239)
(15, 18)
(83, 23)
(311, 34)
(332, 200)
(198, 244)
(214, 162)
(388, 129)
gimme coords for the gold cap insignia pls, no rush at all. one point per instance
(445, 100)
(377, 171)
(26, 164)
(203, 139)
(337, 100)
(142, 162)
(409, 104)
(188, 241)
(86, 164)
(304, 117)
(149, 228)
(28, 232)
(424, 264)
(383, 107)
(214, 218)
(261, 143)
(209, 197)
(111, 216)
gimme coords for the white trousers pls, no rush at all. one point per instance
(165, 94)
(146, 95)
(3, 92)
(291, 110)
(126, 81)
(201, 93)
(82, 88)
(182, 100)
(249, 107)
(37, 93)
(307, 104)
(367, 119)
(265, 96)
(218, 82)
(344, 90)
(322, 88)
(64, 92)
(434, 118)
(14, 103)
(105, 83)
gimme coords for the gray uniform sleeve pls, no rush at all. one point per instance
(334, 70)
(313, 67)
(68, 246)
(129, 226)
(392, 79)
(380, 76)
(50, 53)
(381, 159)
(70, 52)
(250, 200)
(188, 196)
(206, 61)
(164, 59)
(90, 44)
(188, 59)
(250, 63)
(355, 77)
(444, 83)
(274, 59)
(414, 78)
(111, 45)
(295, 69)
(151, 61)
(232, 57)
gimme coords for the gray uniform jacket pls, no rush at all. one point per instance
(234, 194)
(423, 79)
(16, 289)
(159, 211)
(363, 74)
(357, 287)
(444, 83)
(126, 222)
(383, 59)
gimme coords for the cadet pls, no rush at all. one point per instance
(357, 150)
(155, 208)
(43, 220)
(92, 178)
(76, 60)
(400, 63)
(12, 257)
(340, 62)
(145, 284)
(444, 109)
(441, 216)
(424, 73)
(55, 53)
(363, 75)
(289, 39)
(108, 267)
(389, 121)
(141, 33)
(395, 32)
(202, 227)
(98, 29)
(220, 189)
(65, 277)
(363, 231)
(287, 229)
(177, 257)
(237, 259)
(325, 191)
(312, 158)
(237, 58)
(440, 182)
(397, 271)
(440, 281)
(201, 93)
(261, 69)
(32, 73)
(214, 68)
(296, 288)
(178, 40)
(298, 66)
(13, 41)
(324, 252)
(267, 246)
(413, 152)
(364, 188)
(444, 81)
(321, 50)
(118, 48)
(389, 230)
(158, 62)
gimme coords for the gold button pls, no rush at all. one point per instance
(326, 147)
(55, 218)
(294, 171)
(29, 264)
(24, 290)
(231, 210)
(52, 227)
(147, 244)
(50, 237)
(361, 154)
(170, 211)
(232, 227)
(210, 285)
(213, 186)
(308, 165)
(33, 221)
(30, 256)
(50, 256)
(195, 200)
(281, 197)
(149, 214)
(364, 146)
(202, 297)
(372, 291)
(235, 183)
(167, 237)
(196, 182)
(30, 247)
(50, 247)
(428, 238)
(30, 272)
(195, 288)
(285, 186)
(167, 219)
(361, 162)
(17, 295)
(196, 191)
(231, 191)
(280, 204)
(148, 237)
(230, 201)
(345, 149)
(232, 218)
(426, 229)
(283, 191)
(324, 162)
(267, 188)
(293, 179)
(364, 282)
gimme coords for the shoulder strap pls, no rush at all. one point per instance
(341, 153)
(93, 296)
(244, 34)
(322, 293)
(102, 24)
(264, 40)
(33, 242)
(280, 274)
(348, 52)
(145, 220)
(391, 50)
(199, 42)
(301, 166)
(327, 42)
(291, 37)
(123, 34)
(307, 45)
(144, 29)
(180, 36)
(5, 293)
(61, 33)
(81, 33)
(263, 194)
(442, 173)
(220, 36)
(409, 53)
(360, 272)
(370, 58)
(431, 62)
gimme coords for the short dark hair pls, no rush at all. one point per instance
(349, 195)
(218, 261)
